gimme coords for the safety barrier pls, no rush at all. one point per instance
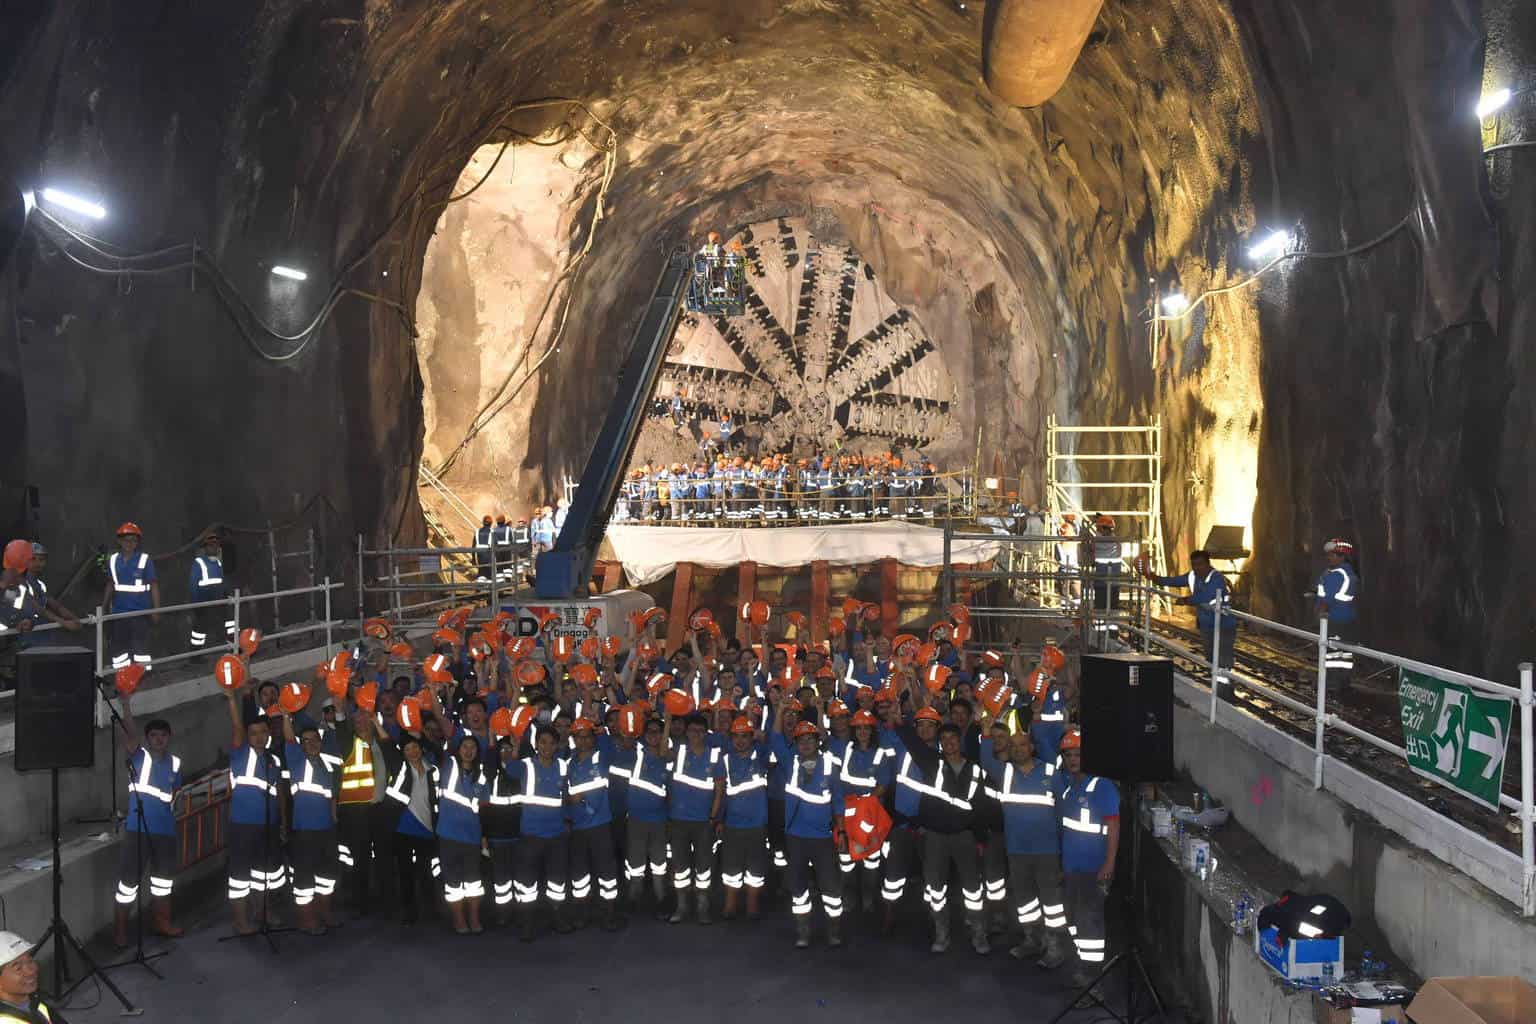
(392, 582)
(1518, 884)
(201, 810)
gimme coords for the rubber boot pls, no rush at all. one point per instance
(456, 915)
(732, 905)
(120, 926)
(472, 912)
(1031, 943)
(701, 896)
(635, 894)
(242, 916)
(1055, 951)
(327, 915)
(680, 912)
(802, 931)
(754, 905)
(1083, 978)
(309, 923)
(977, 923)
(997, 919)
(940, 931)
(528, 926)
(578, 915)
(869, 887)
(659, 890)
(612, 921)
(562, 917)
(888, 917)
(834, 932)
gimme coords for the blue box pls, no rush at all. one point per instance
(1301, 959)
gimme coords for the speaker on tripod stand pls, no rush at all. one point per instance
(1126, 713)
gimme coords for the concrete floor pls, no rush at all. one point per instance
(676, 973)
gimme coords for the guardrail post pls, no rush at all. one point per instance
(234, 601)
(1216, 659)
(1527, 812)
(312, 581)
(948, 584)
(1322, 702)
(327, 617)
(277, 612)
(395, 600)
(101, 633)
(494, 607)
(1146, 620)
(361, 613)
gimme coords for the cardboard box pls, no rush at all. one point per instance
(1301, 959)
(1388, 1014)
(1474, 1001)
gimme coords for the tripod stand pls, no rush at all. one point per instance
(1130, 957)
(63, 939)
(265, 930)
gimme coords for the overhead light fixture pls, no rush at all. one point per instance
(290, 273)
(1175, 304)
(1492, 102)
(74, 204)
(1274, 244)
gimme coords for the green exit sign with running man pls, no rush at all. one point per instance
(1455, 735)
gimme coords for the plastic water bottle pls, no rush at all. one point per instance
(1328, 974)
(1367, 968)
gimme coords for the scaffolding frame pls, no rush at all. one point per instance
(1144, 484)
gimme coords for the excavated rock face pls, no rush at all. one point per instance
(1025, 243)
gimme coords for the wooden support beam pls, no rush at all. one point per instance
(821, 591)
(890, 611)
(682, 605)
(613, 575)
(746, 590)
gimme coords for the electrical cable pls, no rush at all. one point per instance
(1509, 145)
(1297, 255)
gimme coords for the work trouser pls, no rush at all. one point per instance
(365, 841)
(210, 621)
(313, 852)
(744, 858)
(879, 500)
(827, 501)
(482, 563)
(461, 870)
(130, 642)
(994, 870)
(901, 851)
(1034, 879)
(592, 854)
(943, 851)
(255, 860)
(1085, 915)
(898, 502)
(645, 846)
(818, 857)
(1340, 664)
(693, 854)
(1224, 655)
(776, 832)
(416, 864)
(547, 859)
(145, 853)
(503, 870)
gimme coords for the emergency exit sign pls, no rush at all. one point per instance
(1455, 735)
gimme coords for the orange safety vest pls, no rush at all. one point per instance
(357, 774)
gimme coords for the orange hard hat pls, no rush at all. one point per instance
(836, 707)
(906, 646)
(366, 695)
(714, 236)
(562, 649)
(612, 645)
(925, 653)
(995, 695)
(724, 704)
(376, 628)
(447, 636)
(927, 715)
(796, 619)
(336, 684)
(590, 648)
(991, 659)
(522, 717)
(1073, 740)
(700, 619)
(584, 725)
(959, 612)
(127, 678)
(529, 673)
(941, 631)
(742, 726)
(435, 669)
(1037, 684)
(825, 672)
(519, 648)
(936, 677)
(130, 529)
(755, 612)
(962, 633)
(18, 555)
(632, 719)
(1108, 521)
(836, 626)
(480, 647)
(408, 714)
(806, 729)
(886, 694)
(677, 702)
(657, 683)
(1052, 659)
(851, 606)
(444, 617)
(250, 639)
(647, 650)
(294, 697)
(461, 616)
(590, 616)
(583, 673)
(863, 718)
(501, 722)
(229, 671)
(341, 661)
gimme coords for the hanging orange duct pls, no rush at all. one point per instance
(1033, 46)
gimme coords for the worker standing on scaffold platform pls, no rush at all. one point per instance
(1338, 590)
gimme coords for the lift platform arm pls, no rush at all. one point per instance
(565, 571)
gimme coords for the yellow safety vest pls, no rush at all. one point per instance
(357, 774)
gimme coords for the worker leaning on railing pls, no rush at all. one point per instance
(1208, 589)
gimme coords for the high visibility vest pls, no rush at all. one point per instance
(357, 785)
(13, 1015)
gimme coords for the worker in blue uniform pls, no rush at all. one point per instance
(1049, 723)
(131, 586)
(699, 480)
(1105, 551)
(1208, 591)
(313, 776)
(867, 769)
(503, 541)
(813, 817)
(696, 784)
(413, 789)
(206, 584)
(543, 850)
(947, 815)
(256, 816)
(1338, 592)
(644, 769)
(154, 776)
(744, 847)
(499, 823)
(910, 781)
(542, 530)
(592, 851)
(1025, 786)
(1089, 809)
(462, 788)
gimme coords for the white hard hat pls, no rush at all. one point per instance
(12, 946)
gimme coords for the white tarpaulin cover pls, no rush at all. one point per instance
(650, 552)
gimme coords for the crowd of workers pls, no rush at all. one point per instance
(569, 779)
(820, 488)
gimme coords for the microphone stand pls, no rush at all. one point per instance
(265, 931)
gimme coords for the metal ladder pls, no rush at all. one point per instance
(438, 533)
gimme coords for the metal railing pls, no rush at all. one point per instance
(388, 578)
(200, 814)
(450, 499)
(1324, 721)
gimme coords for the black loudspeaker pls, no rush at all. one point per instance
(1127, 717)
(55, 708)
